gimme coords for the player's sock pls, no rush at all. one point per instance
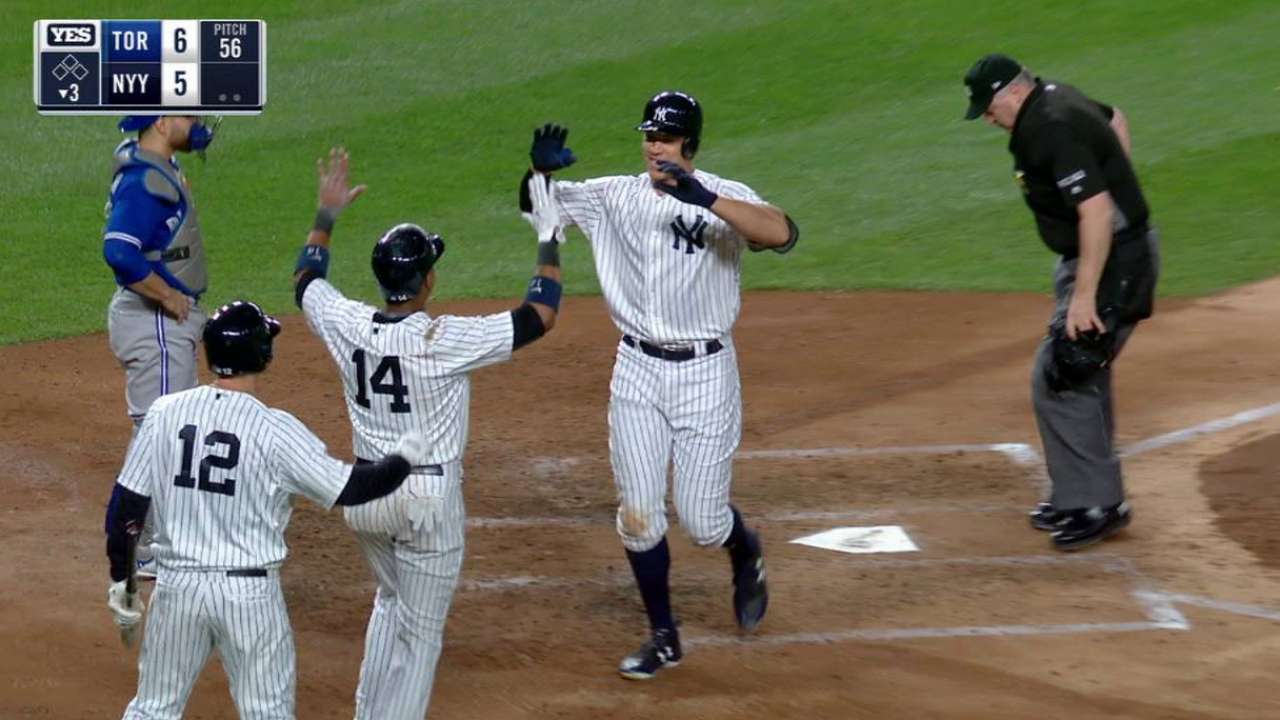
(739, 553)
(652, 568)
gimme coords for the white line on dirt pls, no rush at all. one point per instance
(919, 633)
(1205, 428)
(1253, 611)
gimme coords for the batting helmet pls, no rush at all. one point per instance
(674, 113)
(237, 339)
(402, 258)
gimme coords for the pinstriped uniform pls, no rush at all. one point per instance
(670, 275)
(220, 467)
(422, 367)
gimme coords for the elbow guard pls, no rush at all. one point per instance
(791, 239)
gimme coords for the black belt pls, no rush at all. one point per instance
(418, 469)
(687, 353)
(247, 572)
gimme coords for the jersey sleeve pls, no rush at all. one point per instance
(1075, 165)
(324, 306)
(303, 464)
(737, 191)
(580, 203)
(461, 344)
(135, 214)
(140, 462)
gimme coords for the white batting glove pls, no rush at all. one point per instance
(545, 217)
(125, 606)
(412, 447)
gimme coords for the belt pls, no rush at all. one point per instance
(418, 469)
(247, 572)
(686, 353)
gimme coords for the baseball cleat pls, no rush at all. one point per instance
(659, 651)
(750, 593)
(1046, 517)
(1091, 525)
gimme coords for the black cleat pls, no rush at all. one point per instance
(661, 650)
(750, 593)
(1091, 525)
(1046, 517)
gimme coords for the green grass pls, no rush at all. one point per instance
(844, 114)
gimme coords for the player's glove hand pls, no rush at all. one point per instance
(126, 607)
(545, 215)
(548, 152)
(335, 192)
(685, 187)
(412, 447)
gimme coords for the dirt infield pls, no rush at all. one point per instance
(1177, 618)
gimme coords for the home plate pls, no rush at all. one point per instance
(877, 539)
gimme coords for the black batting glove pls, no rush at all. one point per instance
(548, 152)
(687, 188)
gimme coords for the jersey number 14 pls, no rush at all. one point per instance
(390, 365)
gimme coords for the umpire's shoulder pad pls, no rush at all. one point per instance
(160, 186)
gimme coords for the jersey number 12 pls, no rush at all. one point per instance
(398, 391)
(184, 478)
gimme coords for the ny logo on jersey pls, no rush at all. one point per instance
(690, 235)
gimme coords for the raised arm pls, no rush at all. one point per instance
(333, 196)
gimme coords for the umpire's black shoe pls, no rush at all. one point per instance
(1091, 525)
(750, 593)
(1047, 517)
(661, 650)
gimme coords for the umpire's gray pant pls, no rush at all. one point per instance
(1077, 426)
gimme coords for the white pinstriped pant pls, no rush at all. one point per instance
(245, 619)
(686, 414)
(417, 574)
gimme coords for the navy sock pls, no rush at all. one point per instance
(651, 569)
(736, 543)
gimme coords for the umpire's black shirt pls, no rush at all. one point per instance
(1065, 152)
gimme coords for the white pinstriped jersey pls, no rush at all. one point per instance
(219, 467)
(669, 271)
(408, 374)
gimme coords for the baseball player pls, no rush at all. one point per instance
(216, 467)
(667, 245)
(152, 243)
(1071, 160)
(404, 370)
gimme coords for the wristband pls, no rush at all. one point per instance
(325, 218)
(314, 258)
(549, 253)
(544, 291)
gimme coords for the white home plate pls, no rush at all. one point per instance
(878, 539)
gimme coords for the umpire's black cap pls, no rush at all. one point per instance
(987, 77)
(402, 258)
(674, 113)
(237, 339)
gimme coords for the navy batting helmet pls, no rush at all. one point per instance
(674, 113)
(237, 339)
(402, 258)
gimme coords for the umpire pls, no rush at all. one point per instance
(1071, 161)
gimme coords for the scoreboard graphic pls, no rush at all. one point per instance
(113, 67)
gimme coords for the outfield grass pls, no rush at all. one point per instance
(845, 114)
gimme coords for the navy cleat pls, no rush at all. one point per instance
(661, 650)
(750, 593)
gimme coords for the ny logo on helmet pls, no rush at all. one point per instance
(660, 113)
(690, 235)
